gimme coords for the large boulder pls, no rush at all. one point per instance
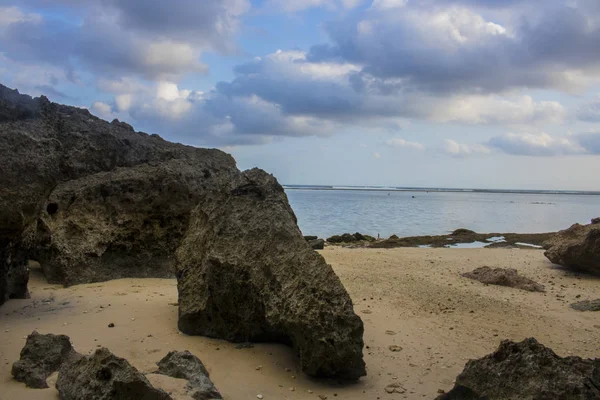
(577, 248)
(42, 356)
(527, 371)
(185, 365)
(104, 376)
(92, 200)
(245, 273)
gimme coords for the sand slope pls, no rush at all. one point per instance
(411, 298)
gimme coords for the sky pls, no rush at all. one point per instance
(430, 93)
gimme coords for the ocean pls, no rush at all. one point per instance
(324, 212)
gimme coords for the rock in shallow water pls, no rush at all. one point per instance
(527, 370)
(247, 274)
(41, 356)
(185, 365)
(104, 376)
(577, 248)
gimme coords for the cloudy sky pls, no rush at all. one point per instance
(451, 93)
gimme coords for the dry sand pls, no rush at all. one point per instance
(407, 297)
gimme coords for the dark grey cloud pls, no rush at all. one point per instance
(150, 38)
(453, 49)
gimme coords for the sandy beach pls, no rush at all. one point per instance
(413, 299)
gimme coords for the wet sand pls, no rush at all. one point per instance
(414, 299)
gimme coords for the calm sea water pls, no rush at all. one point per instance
(331, 212)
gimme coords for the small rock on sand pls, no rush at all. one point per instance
(504, 277)
(587, 305)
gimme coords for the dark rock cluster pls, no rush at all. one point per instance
(349, 238)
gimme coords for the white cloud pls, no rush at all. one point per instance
(123, 102)
(103, 110)
(11, 15)
(540, 144)
(388, 4)
(401, 143)
(461, 150)
(376, 156)
(492, 109)
(292, 6)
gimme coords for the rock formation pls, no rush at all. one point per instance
(504, 277)
(350, 238)
(90, 200)
(93, 201)
(527, 370)
(41, 356)
(247, 274)
(586, 305)
(576, 248)
(317, 244)
(185, 365)
(104, 376)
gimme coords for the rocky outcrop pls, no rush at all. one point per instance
(247, 274)
(576, 248)
(42, 356)
(185, 365)
(527, 370)
(104, 376)
(317, 244)
(504, 277)
(93, 201)
(350, 238)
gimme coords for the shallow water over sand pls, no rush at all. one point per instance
(330, 212)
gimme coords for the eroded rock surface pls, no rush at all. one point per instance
(93, 201)
(104, 376)
(527, 371)
(577, 248)
(247, 274)
(185, 365)
(587, 305)
(42, 356)
(504, 277)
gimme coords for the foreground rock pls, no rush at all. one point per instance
(587, 305)
(185, 365)
(527, 370)
(577, 248)
(42, 356)
(504, 277)
(247, 274)
(104, 376)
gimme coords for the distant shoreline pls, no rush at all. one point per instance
(439, 190)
